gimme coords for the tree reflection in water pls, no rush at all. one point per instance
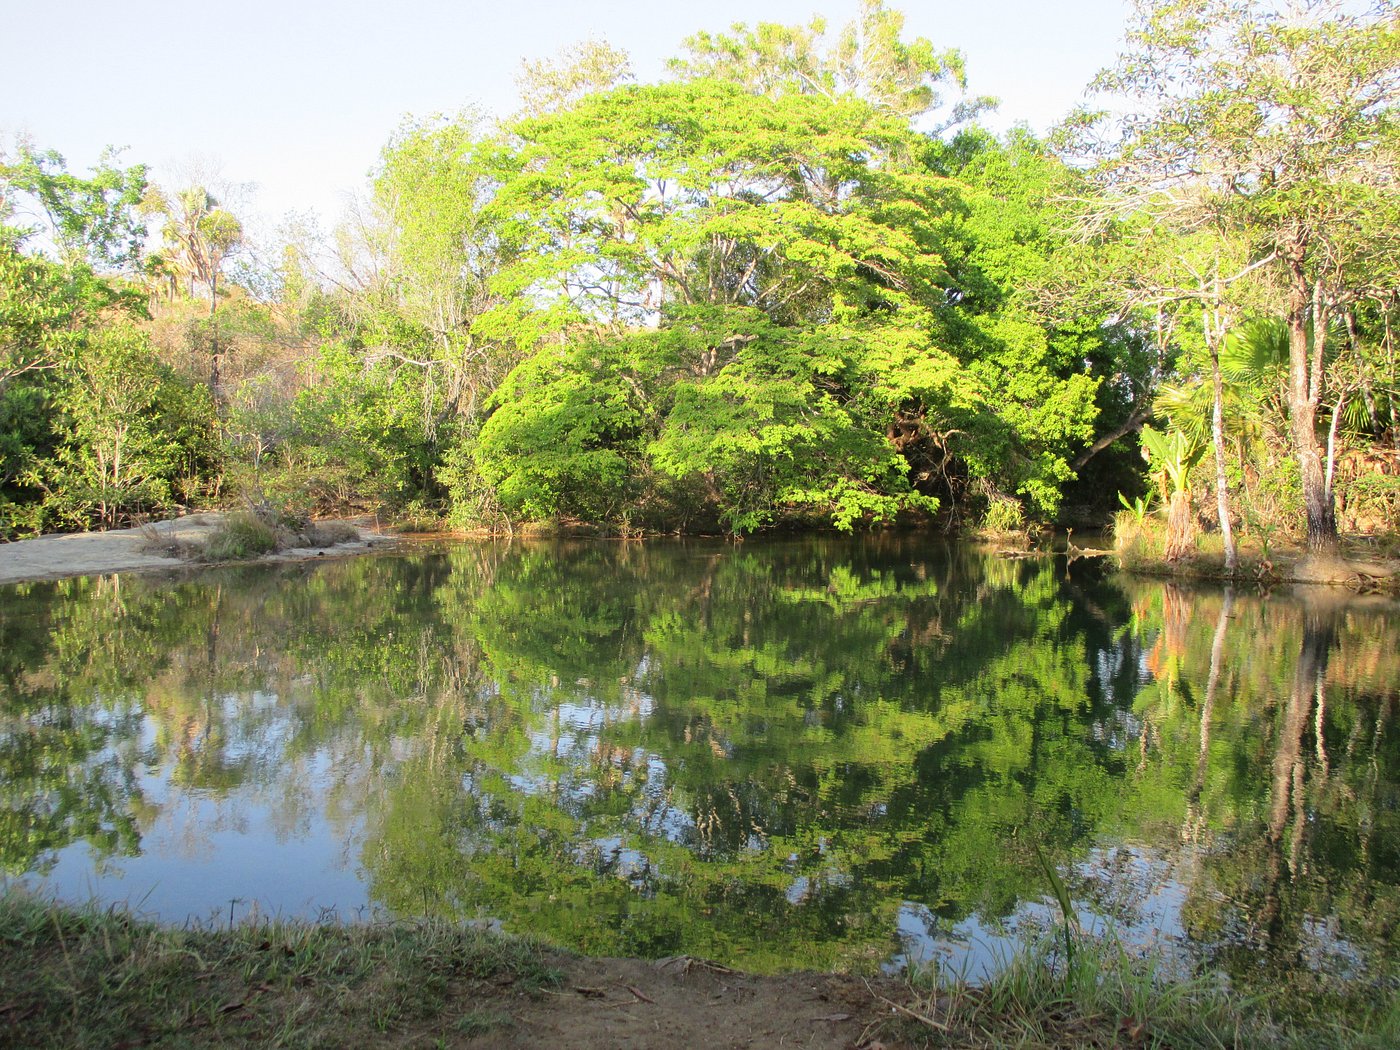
(807, 753)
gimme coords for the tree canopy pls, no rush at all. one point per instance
(789, 283)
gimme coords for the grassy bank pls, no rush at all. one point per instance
(1367, 563)
(97, 978)
(88, 977)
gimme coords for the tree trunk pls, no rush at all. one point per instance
(1304, 389)
(1181, 529)
(1215, 333)
(1217, 653)
(215, 378)
(1140, 415)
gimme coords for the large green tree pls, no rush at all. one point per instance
(1044, 363)
(868, 58)
(810, 313)
(787, 244)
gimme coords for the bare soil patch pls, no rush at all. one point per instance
(631, 1004)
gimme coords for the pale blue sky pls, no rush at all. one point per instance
(298, 96)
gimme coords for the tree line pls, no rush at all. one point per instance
(792, 283)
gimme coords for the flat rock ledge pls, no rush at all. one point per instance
(137, 549)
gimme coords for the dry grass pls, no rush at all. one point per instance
(239, 536)
(327, 534)
(255, 532)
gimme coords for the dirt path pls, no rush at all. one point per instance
(684, 1003)
(126, 550)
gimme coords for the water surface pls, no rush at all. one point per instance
(822, 752)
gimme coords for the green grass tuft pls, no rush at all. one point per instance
(239, 536)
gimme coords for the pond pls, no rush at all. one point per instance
(819, 752)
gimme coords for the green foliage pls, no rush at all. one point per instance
(45, 308)
(702, 194)
(1005, 247)
(95, 428)
(363, 431)
(1255, 372)
(758, 436)
(1170, 456)
(866, 59)
(1002, 517)
(131, 437)
(431, 184)
(100, 429)
(1130, 528)
(438, 256)
(1256, 162)
(1371, 499)
(760, 375)
(757, 297)
(1137, 508)
(757, 294)
(93, 221)
(764, 315)
(784, 424)
(559, 444)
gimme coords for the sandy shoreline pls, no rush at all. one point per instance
(132, 550)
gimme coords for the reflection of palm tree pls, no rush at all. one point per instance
(1319, 633)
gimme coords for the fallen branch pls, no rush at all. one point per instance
(939, 1025)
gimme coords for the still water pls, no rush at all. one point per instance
(824, 752)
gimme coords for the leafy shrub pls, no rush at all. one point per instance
(1003, 516)
(1277, 497)
(242, 535)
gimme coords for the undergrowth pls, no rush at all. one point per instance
(240, 535)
